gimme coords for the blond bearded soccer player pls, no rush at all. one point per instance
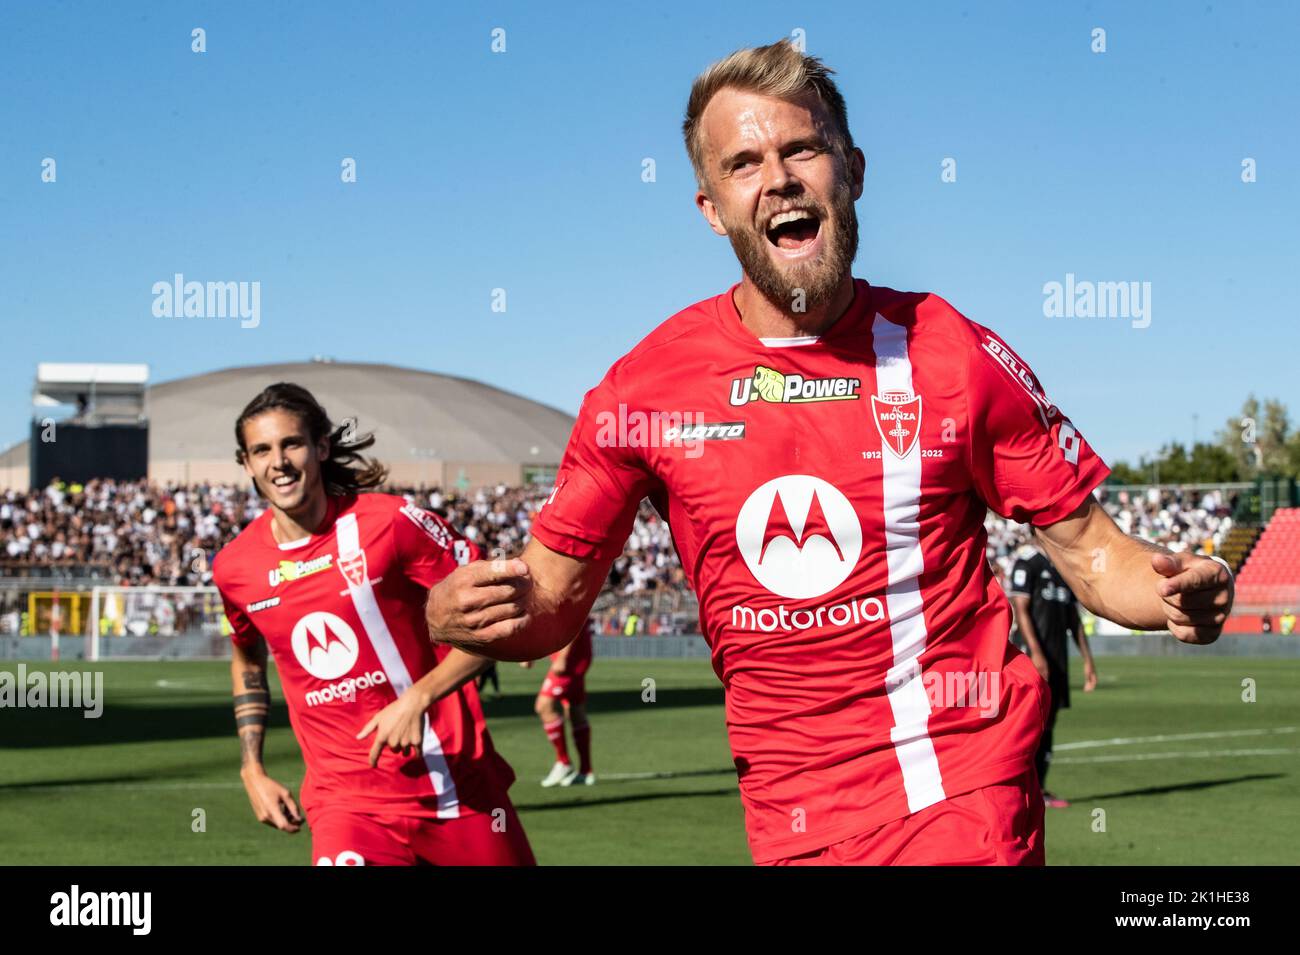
(833, 529)
(400, 766)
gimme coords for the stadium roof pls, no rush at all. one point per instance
(413, 413)
(419, 418)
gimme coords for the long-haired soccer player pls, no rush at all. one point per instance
(400, 767)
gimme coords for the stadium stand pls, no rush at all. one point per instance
(1181, 520)
(1270, 578)
(1237, 544)
(124, 533)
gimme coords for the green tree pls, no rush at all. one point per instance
(1261, 441)
(1240, 438)
(1211, 463)
(1257, 441)
(1206, 464)
(1274, 438)
(1122, 472)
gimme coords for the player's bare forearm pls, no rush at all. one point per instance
(272, 803)
(456, 669)
(1137, 584)
(1109, 572)
(1025, 624)
(519, 609)
(252, 703)
(1081, 640)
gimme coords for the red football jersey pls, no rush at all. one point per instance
(827, 497)
(342, 611)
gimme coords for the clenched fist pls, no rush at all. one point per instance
(1197, 594)
(479, 604)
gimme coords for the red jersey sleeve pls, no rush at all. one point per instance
(600, 483)
(1028, 460)
(428, 547)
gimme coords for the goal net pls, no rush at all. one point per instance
(161, 623)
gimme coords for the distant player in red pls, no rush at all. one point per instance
(565, 691)
(825, 452)
(400, 766)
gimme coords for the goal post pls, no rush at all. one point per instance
(156, 622)
(54, 612)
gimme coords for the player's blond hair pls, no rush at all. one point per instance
(775, 70)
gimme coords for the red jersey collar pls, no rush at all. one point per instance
(332, 506)
(855, 316)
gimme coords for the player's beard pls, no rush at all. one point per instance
(819, 278)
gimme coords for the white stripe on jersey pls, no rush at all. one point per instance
(348, 536)
(902, 505)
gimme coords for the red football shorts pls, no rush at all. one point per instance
(340, 837)
(996, 825)
(570, 686)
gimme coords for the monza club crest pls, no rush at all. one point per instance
(354, 568)
(898, 419)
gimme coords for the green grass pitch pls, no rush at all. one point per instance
(1165, 754)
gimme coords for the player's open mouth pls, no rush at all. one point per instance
(285, 483)
(794, 233)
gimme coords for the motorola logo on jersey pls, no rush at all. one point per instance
(345, 690)
(799, 535)
(325, 645)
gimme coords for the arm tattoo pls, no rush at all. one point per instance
(251, 710)
(250, 746)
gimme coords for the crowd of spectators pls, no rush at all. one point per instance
(1177, 519)
(122, 532)
(499, 520)
(137, 533)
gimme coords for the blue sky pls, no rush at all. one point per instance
(522, 170)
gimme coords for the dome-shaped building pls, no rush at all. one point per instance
(430, 429)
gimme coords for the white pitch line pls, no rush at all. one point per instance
(664, 775)
(198, 784)
(1203, 754)
(1173, 738)
(77, 787)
